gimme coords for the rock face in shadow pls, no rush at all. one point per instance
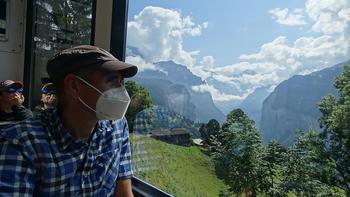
(252, 105)
(294, 104)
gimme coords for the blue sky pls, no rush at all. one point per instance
(221, 41)
(234, 27)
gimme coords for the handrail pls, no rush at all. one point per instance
(141, 188)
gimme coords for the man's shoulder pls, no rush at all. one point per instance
(23, 130)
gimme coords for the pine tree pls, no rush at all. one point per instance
(275, 158)
(239, 155)
(336, 131)
(208, 132)
(303, 169)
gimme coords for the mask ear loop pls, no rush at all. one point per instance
(88, 84)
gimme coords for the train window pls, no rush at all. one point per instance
(58, 25)
(3, 18)
(233, 98)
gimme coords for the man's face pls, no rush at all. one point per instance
(49, 99)
(11, 98)
(103, 81)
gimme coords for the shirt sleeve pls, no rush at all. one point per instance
(21, 113)
(17, 172)
(125, 167)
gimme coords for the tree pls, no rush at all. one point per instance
(335, 123)
(140, 100)
(239, 155)
(275, 158)
(209, 131)
(304, 170)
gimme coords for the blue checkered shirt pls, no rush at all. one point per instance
(40, 158)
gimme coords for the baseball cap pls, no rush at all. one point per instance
(48, 88)
(82, 57)
(11, 86)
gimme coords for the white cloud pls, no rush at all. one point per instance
(207, 61)
(215, 93)
(284, 17)
(158, 34)
(329, 16)
(201, 72)
(304, 53)
(142, 64)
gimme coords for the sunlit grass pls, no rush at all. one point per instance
(181, 171)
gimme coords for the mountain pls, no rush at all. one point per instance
(171, 84)
(173, 96)
(253, 103)
(294, 104)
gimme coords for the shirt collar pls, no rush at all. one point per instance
(51, 118)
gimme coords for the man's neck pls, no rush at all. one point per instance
(79, 126)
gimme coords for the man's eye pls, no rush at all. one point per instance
(115, 81)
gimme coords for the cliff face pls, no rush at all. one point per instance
(294, 104)
(178, 79)
(252, 105)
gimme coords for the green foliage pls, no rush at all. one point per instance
(208, 131)
(275, 157)
(181, 171)
(239, 155)
(317, 164)
(336, 131)
(159, 117)
(304, 170)
(140, 100)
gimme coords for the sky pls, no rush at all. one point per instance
(240, 44)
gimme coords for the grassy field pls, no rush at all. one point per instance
(181, 171)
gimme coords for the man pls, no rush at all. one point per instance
(48, 98)
(82, 148)
(11, 100)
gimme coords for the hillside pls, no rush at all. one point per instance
(181, 171)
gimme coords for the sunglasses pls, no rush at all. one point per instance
(14, 90)
(48, 89)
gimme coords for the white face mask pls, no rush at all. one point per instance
(111, 105)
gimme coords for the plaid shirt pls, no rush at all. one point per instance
(39, 157)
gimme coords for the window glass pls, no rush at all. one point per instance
(231, 96)
(3, 13)
(58, 25)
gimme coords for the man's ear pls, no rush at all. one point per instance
(71, 86)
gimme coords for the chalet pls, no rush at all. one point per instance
(179, 136)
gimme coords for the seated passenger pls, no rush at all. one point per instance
(48, 98)
(11, 100)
